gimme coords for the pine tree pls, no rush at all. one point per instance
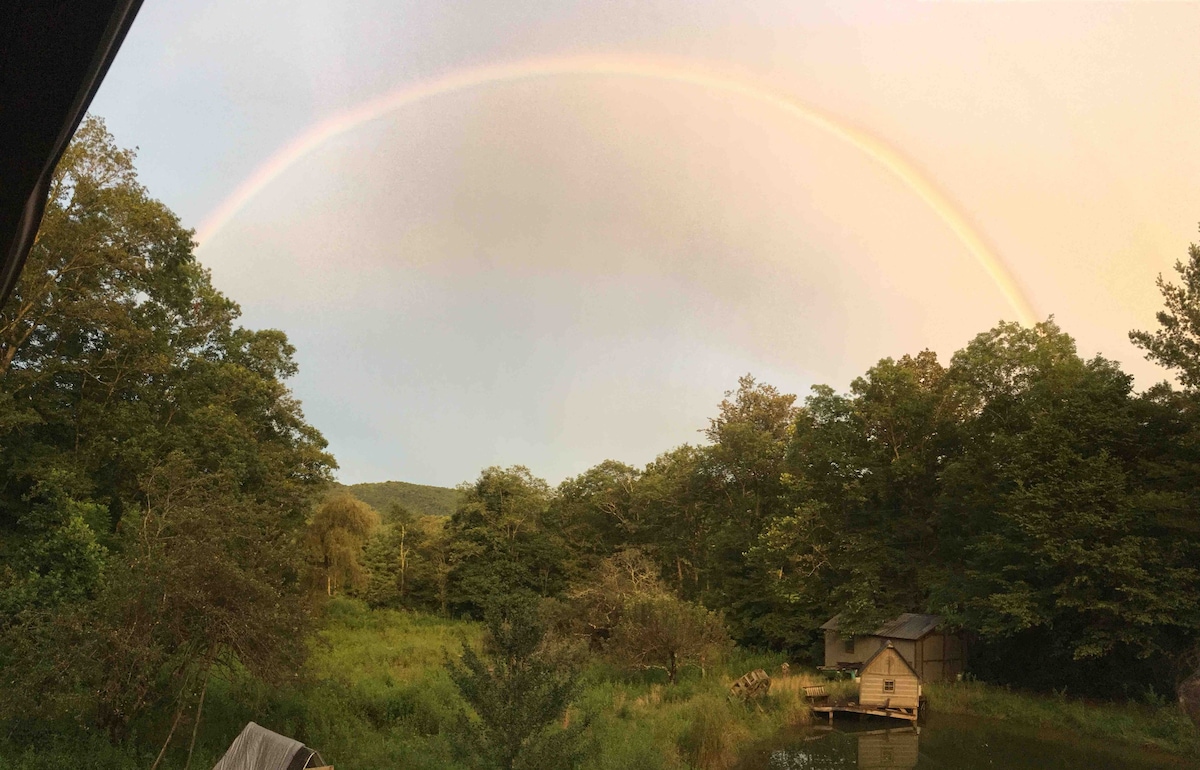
(519, 694)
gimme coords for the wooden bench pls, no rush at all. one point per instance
(816, 692)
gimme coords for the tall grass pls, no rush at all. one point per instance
(1162, 727)
(374, 696)
(713, 734)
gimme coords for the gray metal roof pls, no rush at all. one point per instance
(907, 625)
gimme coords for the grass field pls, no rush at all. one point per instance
(378, 697)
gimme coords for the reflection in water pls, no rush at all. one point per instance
(948, 741)
(888, 749)
(896, 749)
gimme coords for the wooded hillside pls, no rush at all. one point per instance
(421, 499)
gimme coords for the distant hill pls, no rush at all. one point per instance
(418, 498)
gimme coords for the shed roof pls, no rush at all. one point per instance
(889, 646)
(907, 625)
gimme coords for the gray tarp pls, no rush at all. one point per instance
(257, 748)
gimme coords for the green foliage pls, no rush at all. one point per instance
(517, 693)
(335, 536)
(1176, 343)
(1059, 543)
(595, 513)
(155, 471)
(499, 542)
(667, 632)
(401, 561)
(596, 605)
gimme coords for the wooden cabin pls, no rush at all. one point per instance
(888, 681)
(934, 653)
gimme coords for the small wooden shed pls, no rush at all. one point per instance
(934, 652)
(888, 681)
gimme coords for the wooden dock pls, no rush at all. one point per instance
(908, 715)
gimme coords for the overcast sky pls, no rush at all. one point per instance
(557, 271)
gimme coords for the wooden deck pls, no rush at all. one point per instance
(908, 715)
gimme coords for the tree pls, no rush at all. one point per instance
(668, 633)
(1058, 543)
(154, 467)
(339, 529)
(1176, 344)
(673, 500)
(440, 552)
(594, 513)
(518, 693)
(596, 604)
(854, 529)
(500, 541)
(400, 562)
(744, 467)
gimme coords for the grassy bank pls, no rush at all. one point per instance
(1163, 727)
(375, 696)
(380, 698)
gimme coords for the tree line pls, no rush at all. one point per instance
(1025, 493)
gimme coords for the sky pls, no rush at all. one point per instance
(574, 264)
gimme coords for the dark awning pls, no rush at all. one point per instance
(53, 55)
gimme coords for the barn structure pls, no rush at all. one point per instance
(932, 652)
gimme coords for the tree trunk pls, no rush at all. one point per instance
(671, 668)
(170, 734)
(196, 726)
(403, 560)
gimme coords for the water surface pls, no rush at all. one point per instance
(945, 741)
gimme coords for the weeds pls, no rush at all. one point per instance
(1162, 727)
(711, 739)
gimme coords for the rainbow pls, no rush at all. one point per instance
(685, 73)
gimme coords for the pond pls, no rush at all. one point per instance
(944, 741)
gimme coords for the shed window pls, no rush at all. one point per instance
(849, 645)
(889, 685)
